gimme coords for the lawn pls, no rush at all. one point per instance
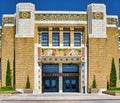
(114, 89)
(7, 89)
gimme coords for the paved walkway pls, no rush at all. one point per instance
(59, 97)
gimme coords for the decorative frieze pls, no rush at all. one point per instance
(98, 15)
(113, 21)
(61, 52)
(8, 20)
(24, 15)
(0, 30)
(61, 17)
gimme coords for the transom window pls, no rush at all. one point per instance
(55, 39)
(77, 39)
(66, 39)
(45, 39)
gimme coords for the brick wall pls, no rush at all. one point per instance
(24, 65)
(7, 50)
(97, 62)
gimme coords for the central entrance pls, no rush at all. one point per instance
(51, 75)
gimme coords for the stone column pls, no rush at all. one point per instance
(61, 36)
(82, 76)
(72, 36)
(86, 72)
(60, 78)
(37, 72)
(50, 36)
(25, 20)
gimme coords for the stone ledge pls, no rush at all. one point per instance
(112, 93)
(9, 93)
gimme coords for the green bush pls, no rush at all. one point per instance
(94, 83)
(113, 75)
(8, 75)
(28, 82)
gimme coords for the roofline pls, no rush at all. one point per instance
(112, 16)
(61, 12)
(8, 15)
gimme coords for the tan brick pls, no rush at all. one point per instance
(24, 61)
(7, 50)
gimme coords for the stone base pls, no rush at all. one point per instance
(28, 91)
(37, 91)
(94, 90)
(112, 93)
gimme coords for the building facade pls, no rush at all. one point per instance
(61, 51)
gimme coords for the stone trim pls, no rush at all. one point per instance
(8, 15)
(9, 25)
(24, 36)
(61, 12)
(111, 25)
(97, 36)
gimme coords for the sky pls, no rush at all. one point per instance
(9, 6)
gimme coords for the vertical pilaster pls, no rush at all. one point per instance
(50, 36)
(80, 78)
(86, 81)
(37, 72)
(25, 20)
(72, 36)
(97, 45)
(60, 78)
(82, 72)
(61, 36)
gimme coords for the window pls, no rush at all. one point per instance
(77, 39)
(66, 39)
(70, 68)
(55, 39)
(50, 68)
(118, 42)
(45, 39)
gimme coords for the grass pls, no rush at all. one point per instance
(114, 89)
(7, 89)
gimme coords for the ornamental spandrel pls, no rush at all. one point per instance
(97, 15)
(24, 15)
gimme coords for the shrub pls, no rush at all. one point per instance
(8, 74)
(28, 82)
(113, 77)
(94, 83)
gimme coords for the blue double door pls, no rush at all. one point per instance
(70, 83)
(50, 80)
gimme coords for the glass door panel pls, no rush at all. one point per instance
(70, 84)
(73, 84)
(50, 84)
(67, 84)
(53, 84)
(47, 84)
